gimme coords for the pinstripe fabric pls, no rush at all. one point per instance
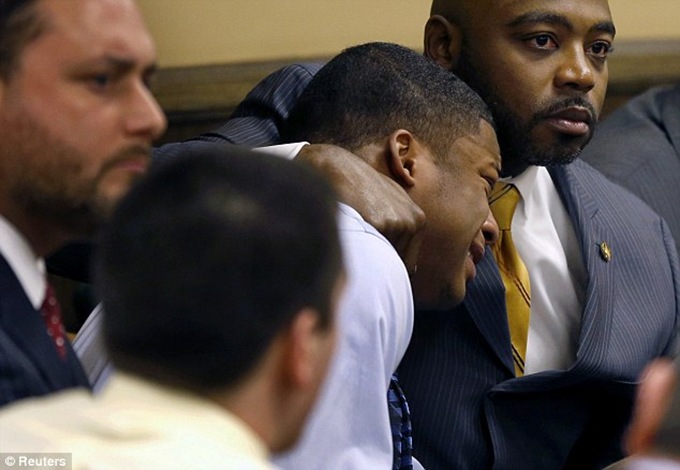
(29, 363)
(255, 121)
(470, 412)
(553, 419)
(638, 147)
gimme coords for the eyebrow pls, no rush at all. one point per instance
(538, 17)
(122, 65)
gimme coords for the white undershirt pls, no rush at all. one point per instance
(547, 243)
(27, 267)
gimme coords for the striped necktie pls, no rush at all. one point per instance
(400, 422)
(503, 201)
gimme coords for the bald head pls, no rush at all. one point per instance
(452, 10)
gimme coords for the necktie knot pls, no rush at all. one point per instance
(503, 202)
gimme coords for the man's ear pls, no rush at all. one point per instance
(403, 156)
(654, 396)
(443, 41)
(302, 345)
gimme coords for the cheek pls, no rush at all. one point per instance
(599, 93)
(79, 121)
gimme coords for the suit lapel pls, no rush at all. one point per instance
(23, 324)
(485, 300)
(582, 206)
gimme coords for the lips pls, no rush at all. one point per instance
(137, 165)
(574, 120)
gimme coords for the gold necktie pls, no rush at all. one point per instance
(503, 201)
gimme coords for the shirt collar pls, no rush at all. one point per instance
(27, 267)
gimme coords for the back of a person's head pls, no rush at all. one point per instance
(209, 258)
(667, 439)
(367, 92)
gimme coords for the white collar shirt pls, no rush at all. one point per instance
(28, 268)
(546, 241)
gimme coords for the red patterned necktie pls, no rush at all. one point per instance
(51, 314)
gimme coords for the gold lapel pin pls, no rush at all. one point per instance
(605, 252)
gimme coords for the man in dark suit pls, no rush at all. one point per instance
(603, 269)
(78, 121)
(638, 147)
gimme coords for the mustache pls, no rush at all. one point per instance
(564, 104)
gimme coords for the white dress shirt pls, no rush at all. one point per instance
(27, 267)
(546, 241)
(350, 427)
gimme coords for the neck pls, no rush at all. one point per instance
(43, 237)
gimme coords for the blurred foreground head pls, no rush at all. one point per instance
(219, 275)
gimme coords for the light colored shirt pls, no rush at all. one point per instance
(27, 267)
(132, 424)
(349, 427)
(546, 241)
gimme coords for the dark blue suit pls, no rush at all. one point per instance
(468, 410)
(29, 362)
(638, 147)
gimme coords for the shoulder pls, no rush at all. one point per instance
(362, 242)
(607, 193)
(45, 423)
(645, 127)
(287, 82)
(374, 268)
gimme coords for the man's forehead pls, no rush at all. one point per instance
(510, 7)
(482, 143)
(99, 27)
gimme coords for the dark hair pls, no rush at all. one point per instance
(369, 91)
(209, 258)
(20, 23)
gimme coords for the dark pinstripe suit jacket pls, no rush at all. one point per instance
(468, 410)
(638, 147)
(29, 363)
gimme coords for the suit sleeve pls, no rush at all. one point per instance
(256, 121)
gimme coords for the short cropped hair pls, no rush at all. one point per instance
(210, 257)
(367, 92)
(20, 23)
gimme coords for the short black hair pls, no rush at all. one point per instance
(367, 92)
(20, 23)
(210, 257)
